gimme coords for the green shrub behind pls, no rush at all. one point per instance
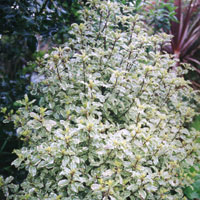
(111, 122)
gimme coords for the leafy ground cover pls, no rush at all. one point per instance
(6, 142)
(193, 192)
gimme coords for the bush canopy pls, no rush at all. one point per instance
(111, 120)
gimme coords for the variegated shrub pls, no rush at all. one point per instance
(111, 120)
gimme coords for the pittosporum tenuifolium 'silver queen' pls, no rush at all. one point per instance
(110, 123)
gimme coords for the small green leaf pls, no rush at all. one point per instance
(49, 124)
(63, 183)
(142, 193)
(32, 170)
(17, 162)
(8, 180)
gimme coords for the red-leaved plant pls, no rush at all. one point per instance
(185, 44)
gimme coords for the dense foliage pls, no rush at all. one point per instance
(111, 120)
(193, 191)
(27, 29)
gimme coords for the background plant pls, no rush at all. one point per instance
(186, 33)
(21, 21)
(160, 14)
(110, 123)
(180, 19)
